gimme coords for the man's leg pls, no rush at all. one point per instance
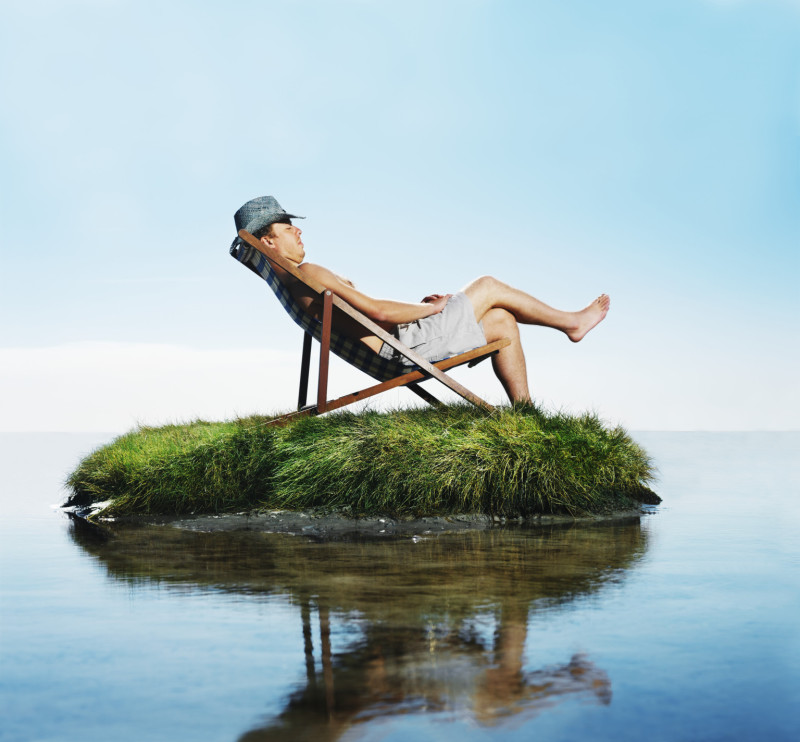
(509, 362)
(501, 307)
(487, 293)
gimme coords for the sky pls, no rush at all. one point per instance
(649, 150)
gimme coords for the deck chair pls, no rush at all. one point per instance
(249, 251)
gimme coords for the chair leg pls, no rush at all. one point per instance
(305, 364)
(425, 394)
(324, 352)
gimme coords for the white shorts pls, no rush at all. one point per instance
(454, 330)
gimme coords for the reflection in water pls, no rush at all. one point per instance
(441, 621)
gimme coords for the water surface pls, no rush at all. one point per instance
(677, 625)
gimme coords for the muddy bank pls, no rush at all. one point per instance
(326, 524)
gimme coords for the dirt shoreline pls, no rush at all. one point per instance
(319, 524)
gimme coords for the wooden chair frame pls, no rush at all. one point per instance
(424, 369)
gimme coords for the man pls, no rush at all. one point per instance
(439, 326)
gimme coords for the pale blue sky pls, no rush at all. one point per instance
(650, 150)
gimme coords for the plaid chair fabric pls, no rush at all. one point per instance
(354, 352)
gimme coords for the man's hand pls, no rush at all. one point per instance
(437, 300)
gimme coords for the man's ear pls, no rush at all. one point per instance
(267, 242)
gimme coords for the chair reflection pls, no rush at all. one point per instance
(431, 669)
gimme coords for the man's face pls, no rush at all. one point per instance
(285, 240)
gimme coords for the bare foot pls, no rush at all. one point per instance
(589, 317)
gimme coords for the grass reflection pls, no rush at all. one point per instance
(440, 621)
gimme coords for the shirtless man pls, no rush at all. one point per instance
(440, 325)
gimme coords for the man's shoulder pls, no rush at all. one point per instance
(326, 278)
(316, 272)
(310, 268)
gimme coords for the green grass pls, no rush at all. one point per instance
(518, 461)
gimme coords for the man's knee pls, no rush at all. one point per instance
(481, 283)
(485, 282)
(482, 291)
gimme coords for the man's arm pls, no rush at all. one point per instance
(385, 312)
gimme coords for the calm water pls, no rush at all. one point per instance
(681, 625)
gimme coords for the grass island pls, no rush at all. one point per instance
(517, 462)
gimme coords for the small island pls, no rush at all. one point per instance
(517, 462)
